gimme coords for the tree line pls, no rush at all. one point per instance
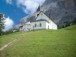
(2, 26)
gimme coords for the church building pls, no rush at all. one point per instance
(42, 22)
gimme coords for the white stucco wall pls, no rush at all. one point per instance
(31, 26)
(26, 27)
(43, 25)
(51, 24)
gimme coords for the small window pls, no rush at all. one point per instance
(21, 27)
(37, 15)
(48, 26)
(40, 24)
(35, 25)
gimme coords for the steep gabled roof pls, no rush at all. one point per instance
(55, 14)
(30, 18)
(51, 14)
(40, 20)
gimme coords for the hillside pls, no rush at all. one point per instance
(44, 43)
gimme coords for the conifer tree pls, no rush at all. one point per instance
(1, 24)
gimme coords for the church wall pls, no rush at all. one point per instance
(43, 25)
(27, 27)
(51, 24)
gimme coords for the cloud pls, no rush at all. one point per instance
(9, 2)
(8, 23)
(28, 6)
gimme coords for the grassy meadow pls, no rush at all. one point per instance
(43, 43)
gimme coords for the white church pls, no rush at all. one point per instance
(41, 22)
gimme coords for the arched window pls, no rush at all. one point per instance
(21, 27)
(35, 25)
(40, 24)
(37, 15)
(48, 26)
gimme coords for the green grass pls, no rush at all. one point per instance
(44, 43)
(8, 38)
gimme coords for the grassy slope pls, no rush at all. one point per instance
(8, 38)
(44, 43)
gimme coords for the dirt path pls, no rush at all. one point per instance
(9, 44)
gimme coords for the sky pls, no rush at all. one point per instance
(14, 10)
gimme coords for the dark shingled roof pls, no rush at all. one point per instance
(55, 14)
(31, 19)
(40, 20)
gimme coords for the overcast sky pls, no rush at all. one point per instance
(14, 10)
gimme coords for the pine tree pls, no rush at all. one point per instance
(1, 24)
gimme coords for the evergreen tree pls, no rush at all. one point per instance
(1, 24)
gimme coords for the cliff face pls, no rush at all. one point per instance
(70, 3)
(49, 4)
(60, 11)
(59, 3)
